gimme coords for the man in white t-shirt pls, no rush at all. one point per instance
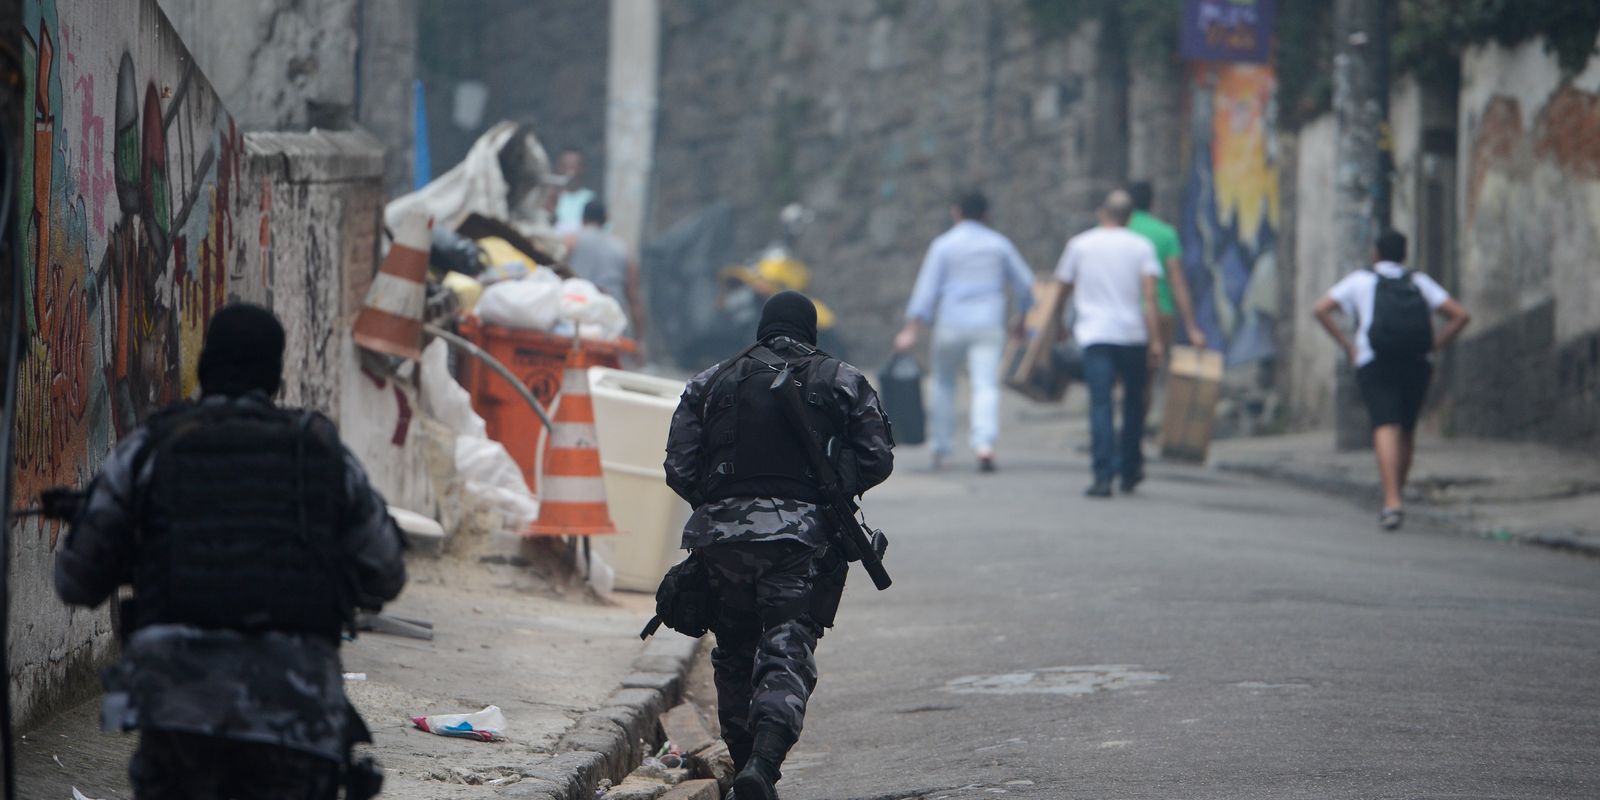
(1110, 274)
(1393, 309)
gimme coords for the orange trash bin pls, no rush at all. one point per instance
(537, 358)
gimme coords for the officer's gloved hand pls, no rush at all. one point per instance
(61, 503)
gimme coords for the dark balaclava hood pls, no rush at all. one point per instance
(790, 314)
(243, 352)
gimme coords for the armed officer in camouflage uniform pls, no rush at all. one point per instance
(249, 535)
(773, 570)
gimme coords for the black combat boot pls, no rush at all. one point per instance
(759, 777)
(757, 781)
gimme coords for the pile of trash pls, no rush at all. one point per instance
(542, 301)
(495, 247)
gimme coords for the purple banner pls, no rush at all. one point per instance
(1227, 30)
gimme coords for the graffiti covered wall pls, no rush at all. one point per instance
(1530, 228)
(128, 227)
(145, 211)
(1229, 221)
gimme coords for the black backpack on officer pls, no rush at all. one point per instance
(1402, 322)
(240, 523)
(750, 451)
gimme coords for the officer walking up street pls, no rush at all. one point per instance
(249, 535)
(773, 564)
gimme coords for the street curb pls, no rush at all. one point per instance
(610, 742)
(1458, 521)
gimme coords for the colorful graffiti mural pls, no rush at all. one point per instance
(127, 242)
(1229, 222)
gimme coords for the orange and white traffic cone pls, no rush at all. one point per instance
(572, 490)
(391, 321)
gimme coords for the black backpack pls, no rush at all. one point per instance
(1402, 322)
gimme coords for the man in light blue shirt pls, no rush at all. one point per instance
(971, 281)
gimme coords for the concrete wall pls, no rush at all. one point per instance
(1309, 389)
(301, 64)
(322, 199)
(875, 115)
(1530, 229)
(278, 65)
(146, 211)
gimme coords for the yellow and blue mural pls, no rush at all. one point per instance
(1229, 223)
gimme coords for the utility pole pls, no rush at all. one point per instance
(632, 79)
(1359, 105)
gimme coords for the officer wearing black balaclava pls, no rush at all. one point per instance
(249, 535)
(757, 529)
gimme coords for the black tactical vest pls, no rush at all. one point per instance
(751, 451)
(241, 522)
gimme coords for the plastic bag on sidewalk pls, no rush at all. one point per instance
(485, 726)
(900, 388)
(531, 303)
(598, 315)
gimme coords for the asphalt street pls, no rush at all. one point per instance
(1208, 637)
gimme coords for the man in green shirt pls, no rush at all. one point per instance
(1172, 290)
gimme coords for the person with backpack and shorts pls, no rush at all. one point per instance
(1393, 308)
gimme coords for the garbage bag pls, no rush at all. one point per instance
(530, 303)
(494, 481)
(452, 252)
(900, 388)
(598, 315)
(443, 398)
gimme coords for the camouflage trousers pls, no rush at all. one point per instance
(774, 601)
(186, 766)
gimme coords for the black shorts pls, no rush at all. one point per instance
(1394, 390)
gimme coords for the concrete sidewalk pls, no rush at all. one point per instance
(581, 694)
(1511, 491)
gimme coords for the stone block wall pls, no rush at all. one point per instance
(874, 115)
(543, 63)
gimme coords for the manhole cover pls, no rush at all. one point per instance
(1058, 680)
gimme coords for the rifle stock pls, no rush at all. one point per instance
(857, 545)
